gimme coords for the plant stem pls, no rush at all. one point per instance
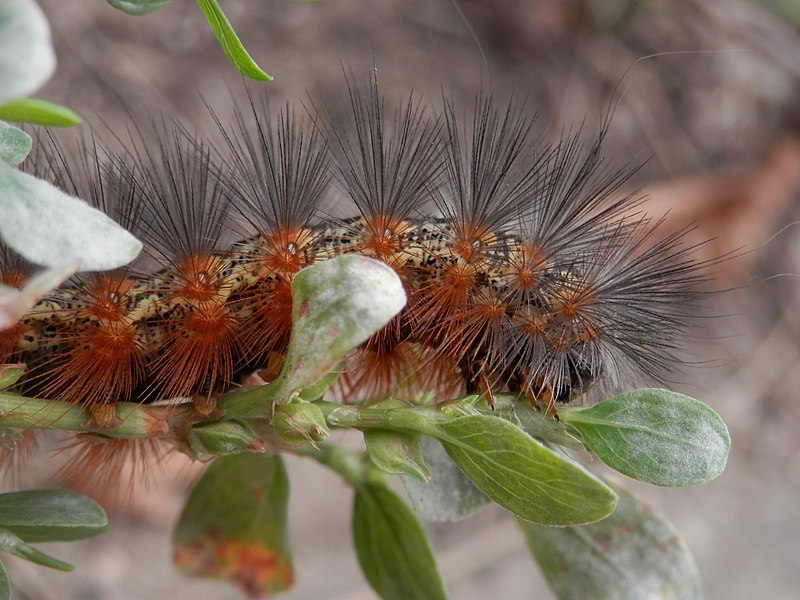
(409, 419)
(175, 421)
(133, 420)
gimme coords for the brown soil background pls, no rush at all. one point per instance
(721, 125)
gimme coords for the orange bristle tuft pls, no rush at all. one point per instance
(100, 358)
(110, 469)
(16, 447)
(195, 352)
(402, 371)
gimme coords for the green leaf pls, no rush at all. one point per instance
(14, 545)
(5, 583)
(39, 112)
(234, 525)
(397, 453)
(655, 435)
(225, 437)
(505, 463)
(449, 495)
(10, 374)
(392, 548)
(519, 411)
(635, 553)
(15, 144)
(51, 515)
(336, 305)
(49, 227)
(522, 475)
(138, 8)
(229, 41)
(26, 52)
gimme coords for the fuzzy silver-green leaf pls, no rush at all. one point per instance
(635, 553)
(49, 227)
(26, 51)
(449, 495)
(656, 436)
(15, 144)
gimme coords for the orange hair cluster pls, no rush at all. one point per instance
(523, 267)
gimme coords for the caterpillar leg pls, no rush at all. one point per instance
(486, 390)
(104, 416)
(273, 367)
(205, 404)
(543, 400)
(477, 382)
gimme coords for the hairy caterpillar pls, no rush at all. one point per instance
(523, 266)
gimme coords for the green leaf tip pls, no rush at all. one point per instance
(392, 547)
(39, 112)
(10, 374)
(230, 42)
(655, 435)
(13, 544)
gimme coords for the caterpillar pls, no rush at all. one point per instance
(526, 266)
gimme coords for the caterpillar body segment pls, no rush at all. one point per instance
(522, 266)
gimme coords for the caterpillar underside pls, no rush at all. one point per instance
(132, 320)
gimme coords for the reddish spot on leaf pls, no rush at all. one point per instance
(253, 567)
(303, 309)
(234, 525)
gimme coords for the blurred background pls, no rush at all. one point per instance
(715, 108)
